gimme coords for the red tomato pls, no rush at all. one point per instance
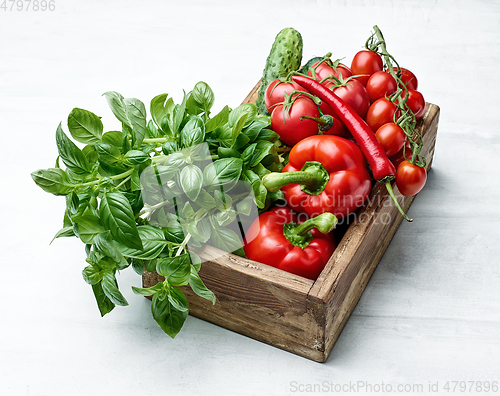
(275, 92)
(391, 137)
(381, 112)
(380, 84)
(366, 62)
(400, 156)
(408, 78)
(324, 70)
(289, 126)
(415, 102)
(354, 93)
(410, 178)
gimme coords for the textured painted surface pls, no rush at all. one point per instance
(431, 311)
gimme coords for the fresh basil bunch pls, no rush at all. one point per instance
(147, 196)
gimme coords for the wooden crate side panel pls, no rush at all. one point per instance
(266, 307)
(367, 244)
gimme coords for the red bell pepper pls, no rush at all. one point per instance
(279, 239)
(324, 173)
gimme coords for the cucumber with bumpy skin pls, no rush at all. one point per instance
(285, 56)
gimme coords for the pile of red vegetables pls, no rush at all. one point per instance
(345, 127)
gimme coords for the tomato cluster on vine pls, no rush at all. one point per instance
(387, 99)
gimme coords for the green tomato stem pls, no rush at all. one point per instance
(393, 196)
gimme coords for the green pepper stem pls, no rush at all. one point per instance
(324, 222)
(313, 178)
(393, 196)
(300, 235)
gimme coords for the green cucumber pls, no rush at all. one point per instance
(304, 69)
(285, 56)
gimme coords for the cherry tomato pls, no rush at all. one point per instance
(366, 62)
(275, 92)
(354, 93)
(381, 112)
(324, 70)
(380, 84)
(289, 126)
(391, 137)
(415, 102)
(408, 78)
(410, 178)
(401, 155)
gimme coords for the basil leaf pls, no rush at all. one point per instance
(118, 217)
(153, 242)
(178, 300)
(237, 127)
(70, 154)
(90, 153)
(130, 112)
(205, 200)
(147, 291)
(87, 227)
(262, 150)
(85, 126)
(260, 194)
(268, 135)
(193, 132)
(253, 130)
(177, 115)
(168, 318)
(225, 239)
(137, 115)
(226, 152)
(53, 180)
(249, 109)
(218, 120)
(160, 107)
(199, 287)
(176, 270)
(105, 245)
(135, 157)
(64, 232)
(110, 288)
(203, 96)
(103, 302)
(91, 274)
(173, 234)
(115, 138)
(150, 265)
(109, 154)
(224, 172)
(191, 181)
(247, 154)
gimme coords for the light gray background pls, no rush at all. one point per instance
(430, 313)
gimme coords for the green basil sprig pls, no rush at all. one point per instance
(148, 195)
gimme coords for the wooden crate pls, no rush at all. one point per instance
(293, 313)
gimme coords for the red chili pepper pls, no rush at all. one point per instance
(325, 173)
(279, 239)
(382, 168)
(373, 151)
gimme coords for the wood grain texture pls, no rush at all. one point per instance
(291, 312)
